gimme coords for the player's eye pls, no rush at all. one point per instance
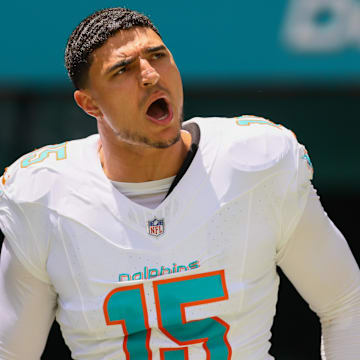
(120, 71)
(157, 55)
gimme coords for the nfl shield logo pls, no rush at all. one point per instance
(155, 227)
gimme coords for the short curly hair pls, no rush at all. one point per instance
(92, 33)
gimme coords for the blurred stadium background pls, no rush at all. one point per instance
(296, 62)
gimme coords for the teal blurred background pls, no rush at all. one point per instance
(240, 42)
(296, 62)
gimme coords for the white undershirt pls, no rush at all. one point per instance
(317, 260)
(149, 194)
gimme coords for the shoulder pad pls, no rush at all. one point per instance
(35, 174)
(254, 143)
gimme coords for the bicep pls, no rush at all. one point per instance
(27, 309)
(318, 260)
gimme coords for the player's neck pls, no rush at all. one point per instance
(141, 164)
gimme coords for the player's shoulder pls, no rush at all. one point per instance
(35, 174)
(241, 128)
(249, 142)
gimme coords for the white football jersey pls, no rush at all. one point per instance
(195, 278)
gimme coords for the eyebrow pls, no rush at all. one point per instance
(130, 60)
(120, 64)
(154, 49)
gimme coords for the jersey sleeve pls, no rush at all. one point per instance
(24, 224)
(319, 263)
(26, 303)
(294, 185)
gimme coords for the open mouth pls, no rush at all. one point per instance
(159, 110)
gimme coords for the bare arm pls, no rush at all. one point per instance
(27, 310)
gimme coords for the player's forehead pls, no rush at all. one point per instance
(125, 44)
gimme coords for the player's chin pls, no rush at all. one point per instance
(164, 144)
(168, 136)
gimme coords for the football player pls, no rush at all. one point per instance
(155, 239)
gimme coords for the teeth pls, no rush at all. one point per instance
(163, 117)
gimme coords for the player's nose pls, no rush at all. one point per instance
(148, 75)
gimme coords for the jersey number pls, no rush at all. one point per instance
(247, 120)
(172, 297)
(40, 155)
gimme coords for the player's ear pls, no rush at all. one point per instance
(87, 103)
